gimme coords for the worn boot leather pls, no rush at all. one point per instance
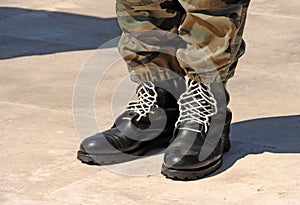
(144, 128)
(201, 135)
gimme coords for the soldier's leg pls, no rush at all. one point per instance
(213, 32)
(148, 45)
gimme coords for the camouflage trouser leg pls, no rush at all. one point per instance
(211, 31)
(149, 40)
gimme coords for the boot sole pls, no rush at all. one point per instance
(105, 159)
(192, 174)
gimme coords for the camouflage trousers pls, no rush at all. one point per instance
(164, 39)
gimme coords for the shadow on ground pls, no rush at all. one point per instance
(26, 32)
(274, 135)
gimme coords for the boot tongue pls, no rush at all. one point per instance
(143, 123)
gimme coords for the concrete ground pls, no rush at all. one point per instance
(44, 46)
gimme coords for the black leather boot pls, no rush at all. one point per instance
(144, 128)
(201, 135)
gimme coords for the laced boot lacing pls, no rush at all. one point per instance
(197, 104)
(147, 97)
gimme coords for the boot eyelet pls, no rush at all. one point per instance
(233, 16)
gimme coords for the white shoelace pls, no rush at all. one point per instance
(147, 96)
(197, 105)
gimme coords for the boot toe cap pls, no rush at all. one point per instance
(177, 160)
(97, 144)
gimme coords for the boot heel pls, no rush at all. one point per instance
(226, 131)
(227, 144)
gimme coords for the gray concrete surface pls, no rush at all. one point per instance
(44, 45)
